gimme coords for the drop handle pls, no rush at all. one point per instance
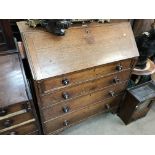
(65, 109)
(66, 123)
(65, 81)
(112, 93)
(65, 95)
(116, 80)
(3, 111)
(7, 123)
(119, 67)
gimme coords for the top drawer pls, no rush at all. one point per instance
(79, 77)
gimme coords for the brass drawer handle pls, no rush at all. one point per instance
(7, 123)
(65, 95)
(66, 123)
(65, 109)
(27, 107)
(116, 80)
(119, 67)
(65, 81)
(3, 111)
(112, 93)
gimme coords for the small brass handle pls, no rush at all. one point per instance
(116, 80)
(65, 95)
(119, 67)
(112, 93)
(66, 123)
(65, 109)
(65, 81)
(27, 106)
(3, 111)
(7, 123)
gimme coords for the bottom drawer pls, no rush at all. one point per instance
(23, 130)
(74, 117)
(12, 122)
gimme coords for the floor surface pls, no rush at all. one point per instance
(109, 124)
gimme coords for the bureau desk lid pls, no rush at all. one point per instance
(80, 48)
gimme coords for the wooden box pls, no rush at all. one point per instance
(137, 102)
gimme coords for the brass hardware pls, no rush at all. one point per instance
(65, 109)
(65, 82)
(116, 80)
(112, 93)
(107, 106)
(3, 111)
(66, 123)
(13, 133)
(7, 123)
(65, 95)
(119, 67)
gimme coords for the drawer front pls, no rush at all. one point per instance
(27, 129)
(83, 101)
(78, 77)
(70, 119)
(14, 121)
(85, 88)
(15, 109)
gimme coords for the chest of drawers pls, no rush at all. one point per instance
(17, 115)
(80, 74)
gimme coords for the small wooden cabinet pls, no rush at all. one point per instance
(137, 102)
(80, 74)
(17, 113)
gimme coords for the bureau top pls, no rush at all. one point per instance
(12, 86)
(80, 48)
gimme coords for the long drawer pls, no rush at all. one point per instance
(82, 101)
(81, 114)
(90, 86)
(78, 77)
(27, 129)
(15, 121)
(14, 109)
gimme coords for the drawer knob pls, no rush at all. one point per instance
(66, 123)
(107, 106)
(65, 82)
(7, 123)
(119, 67)
(112, 93)
(13, 133)
(65, 95)
(65, 109)
(3, 111)
(116, 80)
(27, 106)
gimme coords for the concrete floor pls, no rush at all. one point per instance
(109, 124)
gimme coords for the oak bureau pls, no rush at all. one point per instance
(80, 74)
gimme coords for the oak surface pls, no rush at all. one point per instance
(80, 48)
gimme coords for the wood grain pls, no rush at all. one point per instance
(11, 81)
(80, 89)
